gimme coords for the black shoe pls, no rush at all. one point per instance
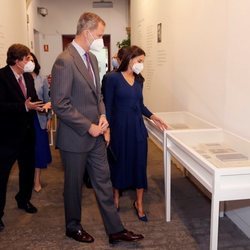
(142, 218)
(124, 235)
(1, 225)
(80, 235)
(28, 207)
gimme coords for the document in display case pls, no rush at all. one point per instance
(218, 159)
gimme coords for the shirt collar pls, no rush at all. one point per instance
(14, 72)
(79, 49)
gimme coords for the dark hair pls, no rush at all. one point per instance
(15, 52)
(121, 52)
(37, 65)
(130, 53)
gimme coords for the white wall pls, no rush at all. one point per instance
(237, 103)
(62, 19)
(206, 70)
(145, 15)
(13, 26)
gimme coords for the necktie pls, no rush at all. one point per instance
(22, 86)
(89, 66)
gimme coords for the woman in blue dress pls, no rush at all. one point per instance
(122, 92)
(42, 125)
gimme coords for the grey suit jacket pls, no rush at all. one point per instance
(75, 100)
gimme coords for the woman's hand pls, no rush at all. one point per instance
(106, 135)
(47, 106)
(159, 122)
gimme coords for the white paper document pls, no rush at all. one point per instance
(222, 155)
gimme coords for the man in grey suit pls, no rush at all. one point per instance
(76, 99)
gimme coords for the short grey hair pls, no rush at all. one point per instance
(89, 21)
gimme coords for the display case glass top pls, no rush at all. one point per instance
(219, 147)
(176, 121)
(183, 120)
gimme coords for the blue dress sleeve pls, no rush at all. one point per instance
(145, 111)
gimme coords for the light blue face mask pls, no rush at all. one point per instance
(115, 63)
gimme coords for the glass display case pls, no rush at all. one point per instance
(218, 159)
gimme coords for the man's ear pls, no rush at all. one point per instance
(16, 61)
(85, 33)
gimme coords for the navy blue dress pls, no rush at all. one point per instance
(125, 110)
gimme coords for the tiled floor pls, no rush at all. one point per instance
(189, 228)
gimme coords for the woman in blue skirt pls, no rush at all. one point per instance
(42, 125)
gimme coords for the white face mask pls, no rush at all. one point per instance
(137, 68)
(97, 44)
(29, 67)
(115, 63)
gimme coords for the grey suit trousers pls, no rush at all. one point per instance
(98, 169)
